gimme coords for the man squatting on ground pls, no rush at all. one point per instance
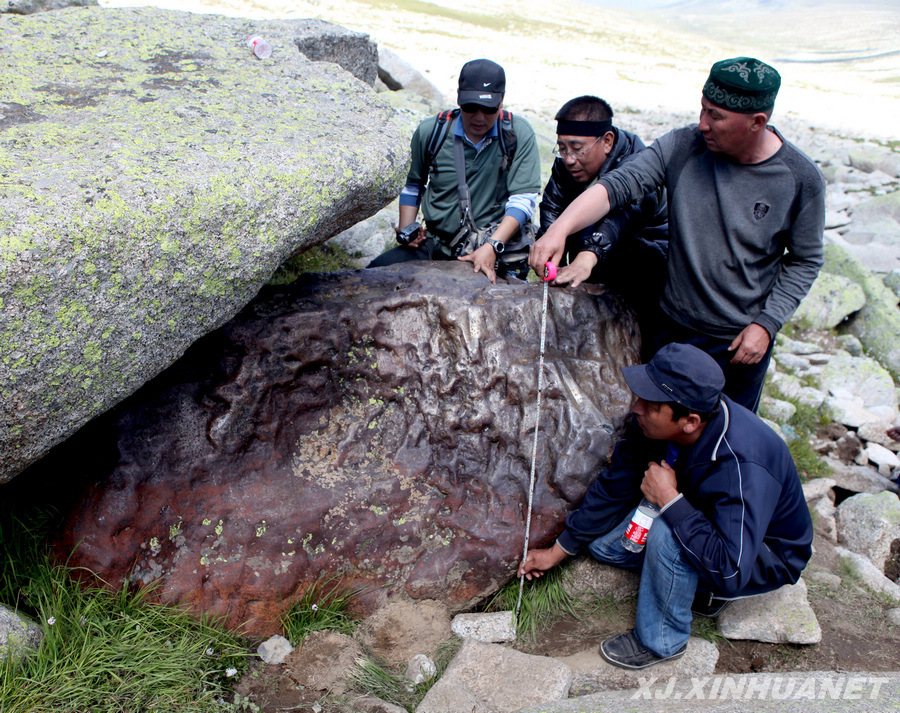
(746, 219)
(482, 85)
(733, 519)
(629, 244)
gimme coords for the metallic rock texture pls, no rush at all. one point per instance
(376, 425)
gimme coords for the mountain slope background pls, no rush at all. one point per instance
(840, 61)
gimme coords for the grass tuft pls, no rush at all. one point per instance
(543, 600)
(804, 423)
(389, 683)
(705, 628)
(324, 605)
(105, 651)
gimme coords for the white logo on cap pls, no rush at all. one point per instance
(484, 96)
(487, 84)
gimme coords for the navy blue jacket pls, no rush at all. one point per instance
(743, 521)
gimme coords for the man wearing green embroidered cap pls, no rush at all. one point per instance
(746, 220)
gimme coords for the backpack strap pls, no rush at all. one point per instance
(508, 144)
(506, 137)
(438, 134)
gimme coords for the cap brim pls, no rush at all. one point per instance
(489, 99)
(643, 386)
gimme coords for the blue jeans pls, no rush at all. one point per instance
(668, 584)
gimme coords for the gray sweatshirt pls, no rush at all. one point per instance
(745, 240)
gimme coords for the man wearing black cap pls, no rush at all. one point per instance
(746, 219)
(629, 245)
(733, 520)
(501, 190)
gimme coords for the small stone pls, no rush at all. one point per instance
(18, 634)
(870, 575)
(818, 488)
(825, 521)
(778, 410)
(275, 650)
(420, 669)
(487, 628)
(779, 617)
(881, 456)
(790, 346)
(793, 362)
(850, 344)
(869, 523)
(878, 433)
(811, 397)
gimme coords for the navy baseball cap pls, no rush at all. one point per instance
(481, 82)
(681, 373)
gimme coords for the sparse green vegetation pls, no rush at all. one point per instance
(324, 605)
(104, 649)
(322, 258)
(543, 600)
(706, 628)
(390, 684)
(803, 423)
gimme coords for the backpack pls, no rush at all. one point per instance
(506, 137)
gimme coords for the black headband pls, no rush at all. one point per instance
(566, 127)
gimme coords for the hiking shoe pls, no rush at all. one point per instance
(626, 651)
(705, 604)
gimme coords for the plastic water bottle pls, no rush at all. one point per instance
(259, 46)
(635, 536)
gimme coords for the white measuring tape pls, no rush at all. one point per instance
(549, 276)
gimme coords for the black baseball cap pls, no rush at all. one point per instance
(681, 373)
(481, 82)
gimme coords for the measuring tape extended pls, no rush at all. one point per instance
(549, 276)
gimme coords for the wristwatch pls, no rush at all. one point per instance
(497, 245)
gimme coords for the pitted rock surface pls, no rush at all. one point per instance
(374, 424)
(153, 175)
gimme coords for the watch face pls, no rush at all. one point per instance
(498, 246)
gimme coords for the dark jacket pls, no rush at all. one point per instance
(743, 521)
(646, 218)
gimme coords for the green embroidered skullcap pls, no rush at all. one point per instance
(742, 84)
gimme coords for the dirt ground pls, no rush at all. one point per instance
(856, 636)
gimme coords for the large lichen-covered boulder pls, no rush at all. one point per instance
(877, 324)
(28, 7)
(830, 301)
(153, 175)
(873, 236)
(374, 425)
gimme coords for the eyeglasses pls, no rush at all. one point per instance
(472, 108)
(577, 155)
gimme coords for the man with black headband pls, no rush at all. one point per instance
(626, 250)
(733, 519)
(746, 219)
(502, 189)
